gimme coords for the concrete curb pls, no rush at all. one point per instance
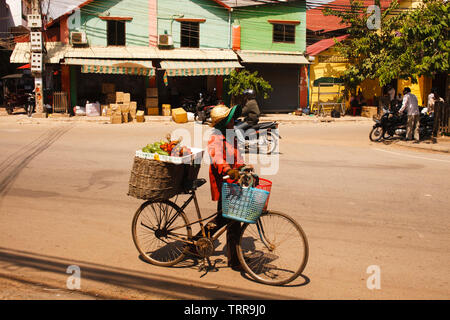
(278, 118)
(425, 146)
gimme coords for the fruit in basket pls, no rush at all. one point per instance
(171, 147)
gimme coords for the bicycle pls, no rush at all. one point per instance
(162, 233)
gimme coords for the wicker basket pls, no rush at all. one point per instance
(158, 180)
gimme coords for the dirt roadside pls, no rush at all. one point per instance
(21, 289)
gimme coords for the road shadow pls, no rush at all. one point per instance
(171, 287)
(12, 166)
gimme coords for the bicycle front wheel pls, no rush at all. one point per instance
(159, 229)
(273, 251)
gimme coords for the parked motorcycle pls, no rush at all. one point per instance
(189, 104)
(392, 125)
(30, 105)
(261, 136)
(205, 104)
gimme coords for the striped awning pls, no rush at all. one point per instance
(272, 57)
(198, 68)
(129, 67)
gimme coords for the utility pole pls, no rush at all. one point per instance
(37, 53)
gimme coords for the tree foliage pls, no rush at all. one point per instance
(238, 81)
(411, 43)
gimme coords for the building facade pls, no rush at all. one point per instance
(181, 47)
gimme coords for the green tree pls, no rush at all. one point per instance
(238, 81)
(421, 44)
(409, 44)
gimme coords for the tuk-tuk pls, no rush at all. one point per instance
(16, 90)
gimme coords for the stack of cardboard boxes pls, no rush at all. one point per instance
(151, 101)
(121, 106)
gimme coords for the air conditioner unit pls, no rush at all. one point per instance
(165, 40)
(78, 38)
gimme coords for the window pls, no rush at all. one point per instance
(116, 32)
(190, 34)
(284, 33)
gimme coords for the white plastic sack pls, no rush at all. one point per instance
(93, 109)
(80, 111)
(190, 116)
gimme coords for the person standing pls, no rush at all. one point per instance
(411, 105)
(431, 100)
(226, 160)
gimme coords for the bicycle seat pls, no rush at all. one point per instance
(198, 183)
(193, 185)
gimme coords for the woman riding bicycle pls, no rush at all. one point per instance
(226, 160)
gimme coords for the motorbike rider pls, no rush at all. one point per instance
(251, 109)
(411, 105)
(250, 112)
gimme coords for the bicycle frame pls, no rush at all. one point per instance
(202, 226)
(199, 221)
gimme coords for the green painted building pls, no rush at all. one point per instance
(269, 37)
(96, 17)
(272, 27)
(208, 37)
(195, 23)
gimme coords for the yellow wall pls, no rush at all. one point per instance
(370, 88)
(421, 89)
(325, 69)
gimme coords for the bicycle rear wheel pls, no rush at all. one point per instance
(158, 230)
(273, 251)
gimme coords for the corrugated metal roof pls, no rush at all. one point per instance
(55, 52)
(272, 57)
(151, 53)
(323, 45)
(317, 21)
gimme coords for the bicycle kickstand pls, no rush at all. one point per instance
(207, 266)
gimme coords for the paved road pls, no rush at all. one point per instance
(63, 202)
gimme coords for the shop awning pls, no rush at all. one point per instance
(272, 57)
(55, 52)
(149, 53)
(107, 66)
(198, 68)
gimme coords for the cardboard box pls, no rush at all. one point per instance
(153, 111)
(179, 115)
(166, 110)
(152, 92)
(151, 102)
(108, 88)
(140, 116)
(110, 98)
(125, 109)
(116, 119)
(115, 109)
(126, 98)
(104, 109)
(133, 109)
(119, 97)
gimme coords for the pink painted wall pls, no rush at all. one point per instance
(153, 22)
